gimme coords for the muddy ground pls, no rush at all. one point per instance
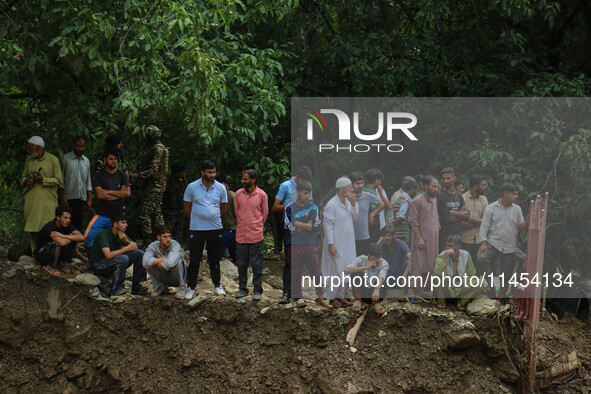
(56, 336)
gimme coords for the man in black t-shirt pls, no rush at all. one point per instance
(451, 207)
(56, 241)
(112, 188)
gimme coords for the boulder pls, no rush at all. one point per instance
(88, 279)
(26, 261)
(18, 249)
(483, 307)
(461, 334)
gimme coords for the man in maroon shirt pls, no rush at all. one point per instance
(251, 209)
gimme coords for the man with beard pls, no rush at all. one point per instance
(501, 223)
(41, 177)
(56, 242)
(252, 209)
(424, 222)
(451, 207)
(367, 216)
(476, 203)
(205, 202)
(452, 263)
(76, 188)
(114, 142)
(152, 173)
(111, 186)
(339, 238)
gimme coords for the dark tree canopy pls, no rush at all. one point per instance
(217, 77)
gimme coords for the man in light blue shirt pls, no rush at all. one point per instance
(205, 202)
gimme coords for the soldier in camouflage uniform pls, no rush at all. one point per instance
(152, 175)
(172, 203)
(114, 141)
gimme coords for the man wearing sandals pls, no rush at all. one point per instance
(370, 271)
(451, 265)
(56, 241)
(338, 248)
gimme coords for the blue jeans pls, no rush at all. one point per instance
(118, 265)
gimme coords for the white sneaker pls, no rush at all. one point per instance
(219, 290)
(189, 293)
(181, 292)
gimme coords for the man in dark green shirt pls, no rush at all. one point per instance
(113, 252)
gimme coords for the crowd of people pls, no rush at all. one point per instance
(429, 228)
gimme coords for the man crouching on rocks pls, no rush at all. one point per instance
(368, 273)
(111, 258)
(164, 262)
(56, 241)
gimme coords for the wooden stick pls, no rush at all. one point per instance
(352, 334)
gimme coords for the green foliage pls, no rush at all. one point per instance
(217, 76)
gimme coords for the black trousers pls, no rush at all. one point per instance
(212, 239)
(51, 253)
(77, 213)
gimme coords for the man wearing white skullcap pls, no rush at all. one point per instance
(339, 238)
(41, 177)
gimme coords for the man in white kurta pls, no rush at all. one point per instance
(339, 238)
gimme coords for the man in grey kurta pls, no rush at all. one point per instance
(424, 220)
(41, 177)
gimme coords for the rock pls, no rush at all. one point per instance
(483, 307)
(289, 306)
(381, 334)
(353, 349)
(26, 262)
(74, 372)
(265, 310)
(88, 279)
(461, 335)
(200, 299)
(18, 249)
(9, 274)
(76, 338)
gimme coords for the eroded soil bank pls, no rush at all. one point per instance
(55, 336)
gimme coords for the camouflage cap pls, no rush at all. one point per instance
(154, 131)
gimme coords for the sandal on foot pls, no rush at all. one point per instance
(64, 268)
(335, 304)
(413, 300)
(460, 307)
(52, 271)
(441, 305)
(357, 305)
(379, 307)
(344, 302)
